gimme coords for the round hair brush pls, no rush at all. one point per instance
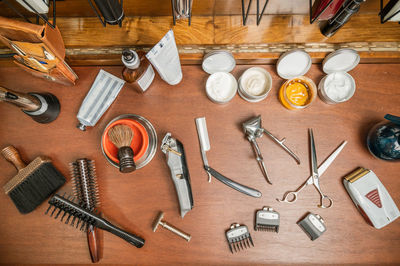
(121, 136)
(86, 190)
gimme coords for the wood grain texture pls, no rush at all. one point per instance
(297, 29)
(88, 32)
(133, 200)
(81, 8)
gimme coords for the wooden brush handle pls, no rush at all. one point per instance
(12, 155)
(93, 243)
(23, 100)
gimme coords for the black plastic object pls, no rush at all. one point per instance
(239, 187)
(50, 108)
(87, 218)
(111, 10)
(342, 16)
(185, 170)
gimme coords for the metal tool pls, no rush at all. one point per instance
(176, 161)
(182, 9)
(267, 219)
(253, 130)
(371, 198)
(291, 196)
(205, 146)
(238, 237)
(159, 221)
(313, 225)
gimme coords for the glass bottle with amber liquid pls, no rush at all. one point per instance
(138, 70)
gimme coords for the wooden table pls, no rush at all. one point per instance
(133, 200)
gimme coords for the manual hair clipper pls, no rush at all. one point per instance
(238, 237)
(176, 161)
(253, 130)
(371, 198)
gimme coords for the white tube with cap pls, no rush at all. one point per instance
(164, 57)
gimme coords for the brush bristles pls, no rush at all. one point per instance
(36, 187)
(121, 135)
(83, 172)
(70, 212)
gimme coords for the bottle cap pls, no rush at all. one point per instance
(81, 126)
(130, 59)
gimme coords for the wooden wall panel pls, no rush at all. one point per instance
(88, 32)
(81, 8)
(234, 7)
(297, 29)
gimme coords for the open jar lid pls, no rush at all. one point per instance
(293, 63)
(342, 60)
(218, 61)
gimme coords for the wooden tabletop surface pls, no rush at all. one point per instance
(133, 200)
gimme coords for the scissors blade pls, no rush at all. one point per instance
(328, 161)
(314, 166)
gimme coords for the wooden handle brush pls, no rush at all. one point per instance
(85, 188)
(121, 136)
(41, 107)
(34, 182)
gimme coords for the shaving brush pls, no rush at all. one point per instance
(121, 136)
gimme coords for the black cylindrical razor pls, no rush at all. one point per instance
(42, 107)
(342, 16)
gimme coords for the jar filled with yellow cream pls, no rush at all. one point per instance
(297, 93)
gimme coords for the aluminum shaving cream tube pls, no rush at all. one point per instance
(164, 57)
(101, 95)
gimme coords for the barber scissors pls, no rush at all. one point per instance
(325, 201)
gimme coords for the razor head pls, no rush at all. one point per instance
(203, 133)
(267, 220)
(166, 143)
(157, 221)
(253, 127)
(238, 238)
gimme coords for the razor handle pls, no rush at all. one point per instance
(239, 187)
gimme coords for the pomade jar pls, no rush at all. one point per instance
(298, 91)
(338, 86)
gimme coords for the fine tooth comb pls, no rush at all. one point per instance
(87, 218)
(267, 220)
(85, 188)
(238, 237)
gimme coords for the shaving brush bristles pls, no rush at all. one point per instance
(121, 136)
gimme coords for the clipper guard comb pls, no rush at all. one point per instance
(238, 237)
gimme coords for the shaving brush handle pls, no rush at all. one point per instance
(126, 162)
(11, 154)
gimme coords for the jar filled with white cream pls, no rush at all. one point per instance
(221, 87)
(255, 84)
(336, 88)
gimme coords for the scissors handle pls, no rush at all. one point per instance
(289, 197)
(326, 202)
